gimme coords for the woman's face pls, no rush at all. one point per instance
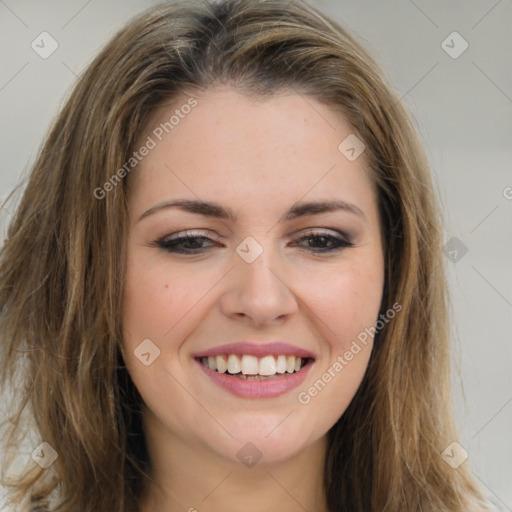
(267, 275)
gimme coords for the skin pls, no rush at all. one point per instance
(258, 158)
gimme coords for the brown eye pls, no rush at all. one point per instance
(185, 242)
(324, 242)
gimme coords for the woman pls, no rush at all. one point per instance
(223, 288)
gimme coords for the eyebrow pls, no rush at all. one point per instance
(212, 209)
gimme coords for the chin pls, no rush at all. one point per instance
(271, 440)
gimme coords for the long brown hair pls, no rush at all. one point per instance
(62, 264)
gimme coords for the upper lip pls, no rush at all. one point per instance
(274, 348)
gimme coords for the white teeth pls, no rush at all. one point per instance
(267, 365)
(233, 364)
(249, 365)
(222, 364)
(252, 366)
(281, 364)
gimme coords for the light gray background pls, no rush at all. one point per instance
(461, 107)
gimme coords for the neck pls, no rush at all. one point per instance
(196, 479)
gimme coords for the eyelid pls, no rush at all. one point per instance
(301, 232)
(172, 242)
(323, 231)
(188, 233)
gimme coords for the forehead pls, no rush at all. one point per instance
(231, 145)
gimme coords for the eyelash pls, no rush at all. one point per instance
(170, 244)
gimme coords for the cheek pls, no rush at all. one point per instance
(348, 306)
(158, 305)
(347, 301)
(156, 296)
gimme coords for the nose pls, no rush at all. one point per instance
(258, 292)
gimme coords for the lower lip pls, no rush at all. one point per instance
(257, 388)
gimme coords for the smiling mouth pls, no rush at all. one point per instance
(250, 367)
